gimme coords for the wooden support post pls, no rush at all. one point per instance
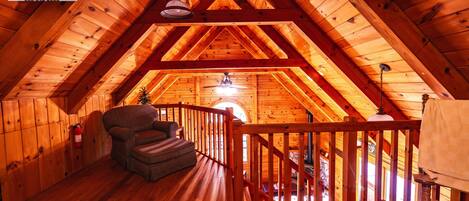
(270, 153)
(317, 167)
(181, 134)
(394, 164)
(379, 165)
(349, 164)
(286, 165)
(301, 168)
(254, 167)
(238, 161)
(229, 134)
(364, 166)
(332, 148)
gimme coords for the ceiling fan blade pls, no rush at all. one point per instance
(206, 87)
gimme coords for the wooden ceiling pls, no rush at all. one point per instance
(333, 46)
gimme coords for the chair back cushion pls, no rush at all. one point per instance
(135, 117)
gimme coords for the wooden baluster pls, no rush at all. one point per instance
(435, 192)
(379, 165)
(174, 114)
(260, 163)
(408, 165)
(167, 114)
(332, 166)
(280, 178)
(224, 139)
(219, 141)
(255, 165)
(364, 165)
(301, 168)
(317, 167)
(210, 135)
(215, 136)
(204, 132)
(180, 120)
(308, 190)
(394, 163)
(159, 114)
(286, 167)
(270, 161)
(197, 129)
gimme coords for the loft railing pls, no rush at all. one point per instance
(208, 128)
(281, 176)
(308, 186)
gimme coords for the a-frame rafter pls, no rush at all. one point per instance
(32, 41)
(91, 81)
(415, 48)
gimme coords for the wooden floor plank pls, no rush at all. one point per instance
(106, 181)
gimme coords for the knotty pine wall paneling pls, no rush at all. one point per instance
(36, 146)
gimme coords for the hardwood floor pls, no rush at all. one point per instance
(106, 180)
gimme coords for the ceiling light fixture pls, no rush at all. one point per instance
(381, 115)
(176, 9)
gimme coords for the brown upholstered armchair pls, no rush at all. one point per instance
(135, 125)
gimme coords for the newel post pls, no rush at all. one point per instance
(181, 125)
(350, 163)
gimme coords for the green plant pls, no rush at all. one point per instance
(144, 96)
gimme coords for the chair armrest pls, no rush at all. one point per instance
(121, 133)
(169, 127)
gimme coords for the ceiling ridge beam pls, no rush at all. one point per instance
(90, 82)
(32, 40)
(222, 64)
(415, 48)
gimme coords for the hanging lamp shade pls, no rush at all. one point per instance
(381, 115)
(176, 9)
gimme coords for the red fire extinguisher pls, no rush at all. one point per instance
(77, 135)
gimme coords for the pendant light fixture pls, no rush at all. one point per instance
(381, 115)
(176, 9)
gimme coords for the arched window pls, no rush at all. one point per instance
(238, 111)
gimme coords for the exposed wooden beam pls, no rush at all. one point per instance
(192, 50)
(415, 48)
(312, 95)
(241, 70)
(33, 40)
(203, 44)
(247, 43)
(154, 84)
(223, 64)
(312, 73)
(91, 80)
(126, 87)
(296, 81)
(301, 97)
(163, 88)
(230, 17)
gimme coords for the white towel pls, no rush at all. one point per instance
(444, 142)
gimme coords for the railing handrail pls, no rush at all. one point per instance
(193, 107)
(327, 127)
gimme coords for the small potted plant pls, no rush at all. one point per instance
(144, 96)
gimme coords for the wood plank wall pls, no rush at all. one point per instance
(36, 147)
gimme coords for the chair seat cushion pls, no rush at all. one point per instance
(147, 136)
(164, 150)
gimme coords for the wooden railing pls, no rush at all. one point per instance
(209, 128)
(310, 185)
